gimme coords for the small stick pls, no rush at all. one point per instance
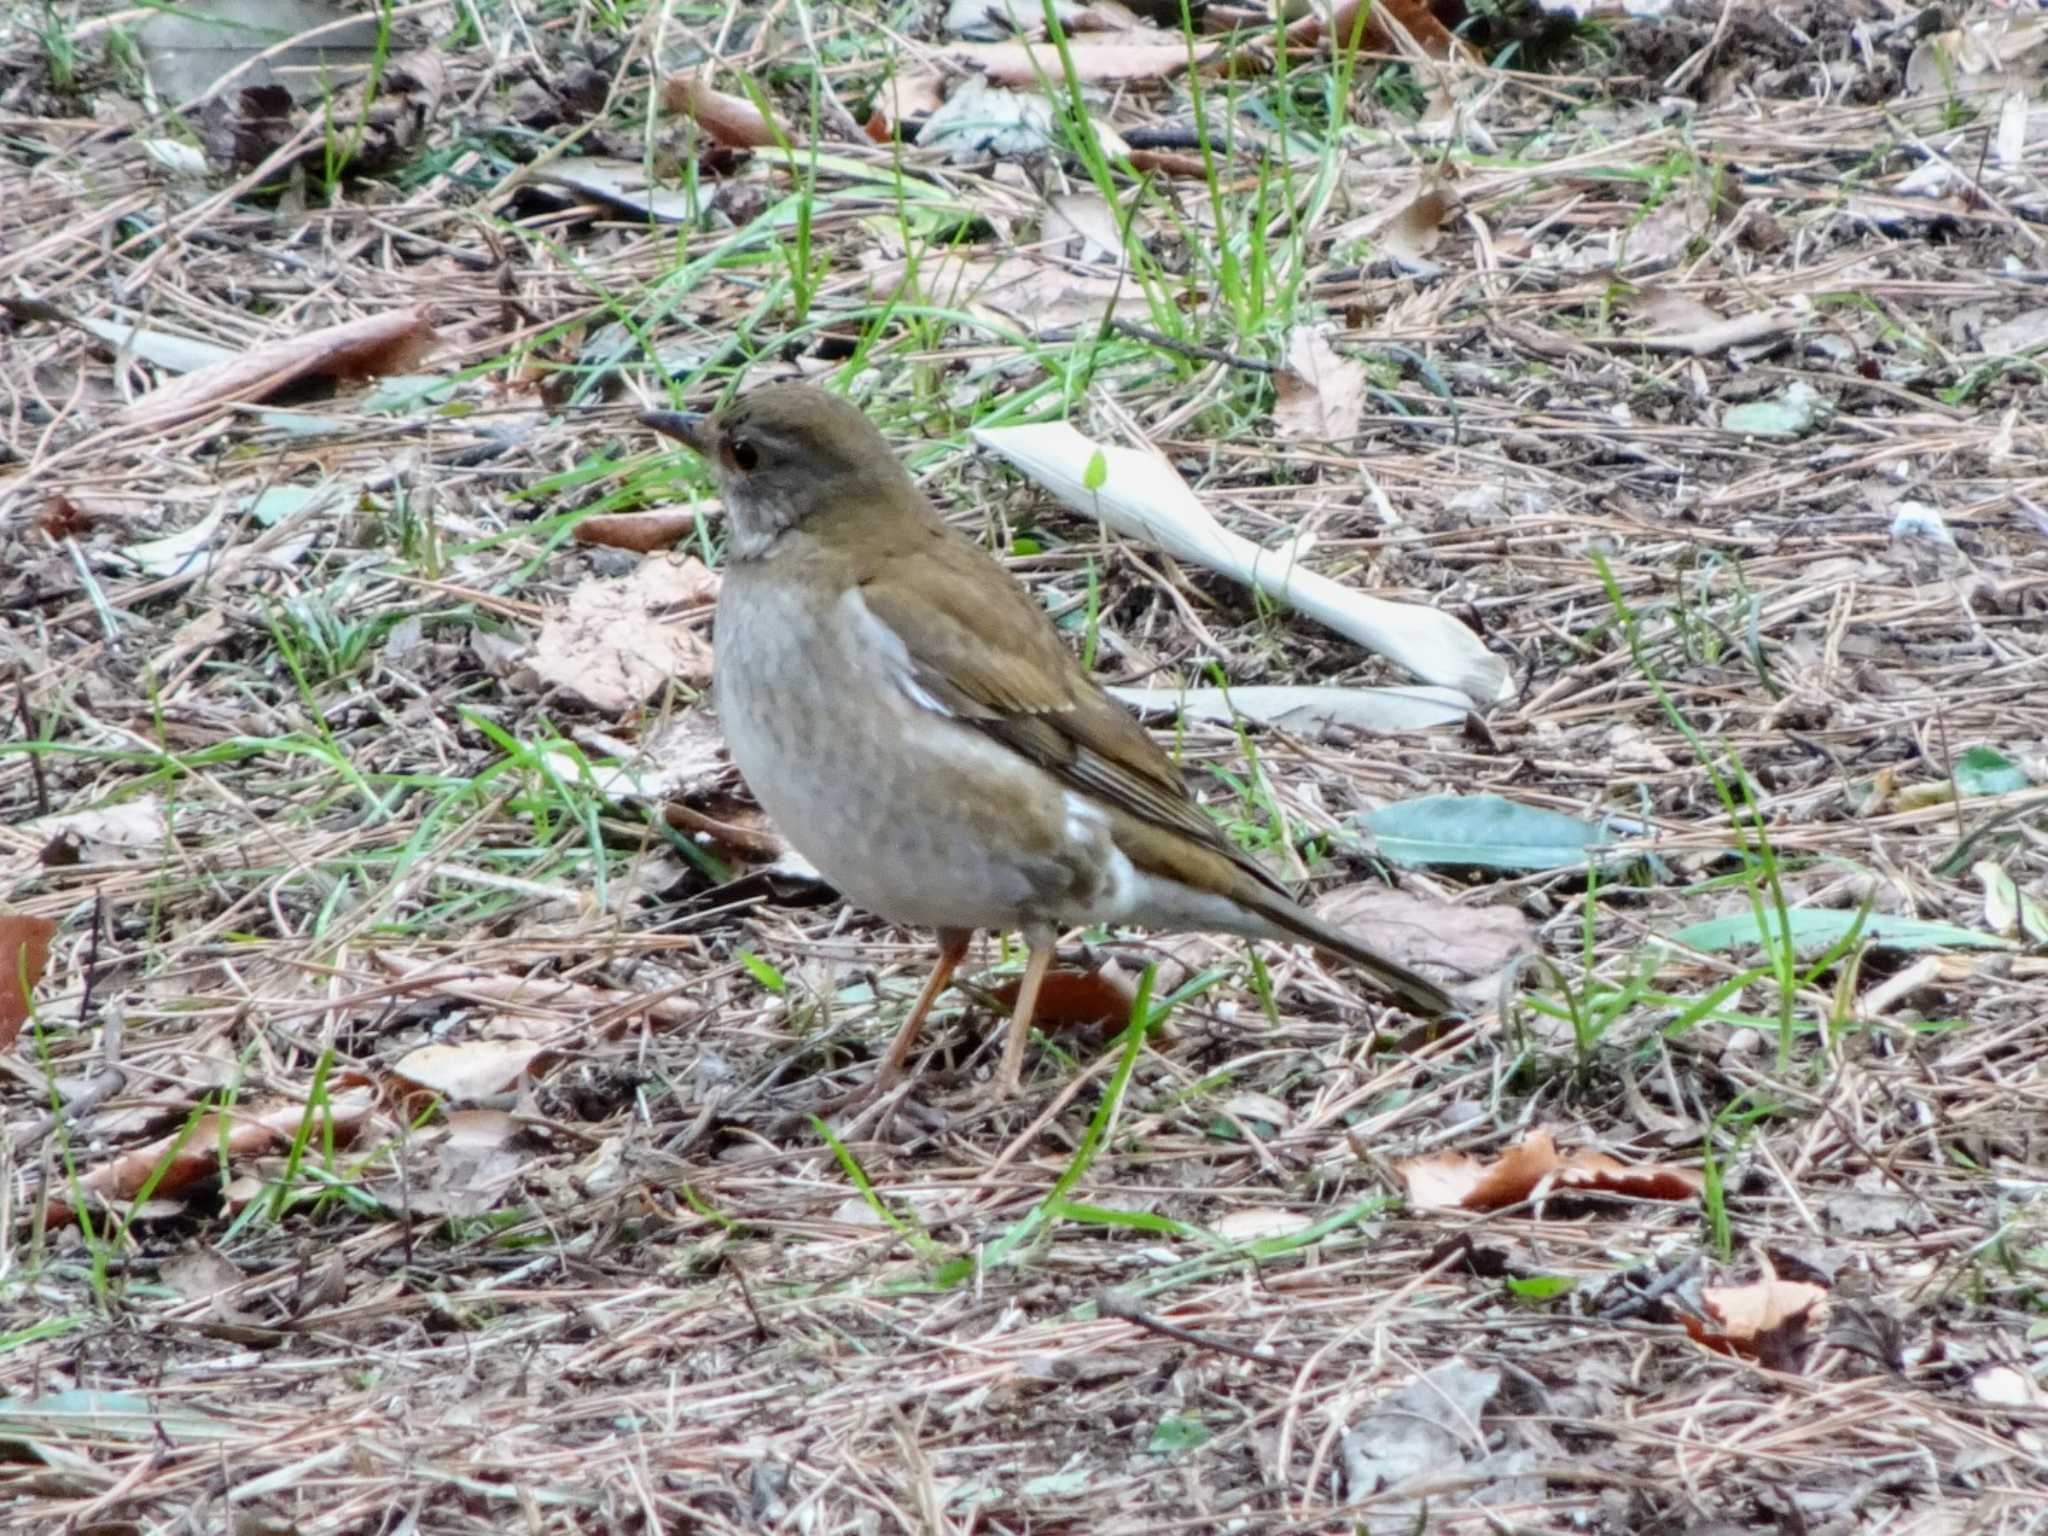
(1122, 1304)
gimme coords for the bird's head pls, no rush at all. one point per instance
(792, 456)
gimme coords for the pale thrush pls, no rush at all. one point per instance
(911, 721)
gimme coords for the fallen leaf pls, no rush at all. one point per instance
(196, 1152)
(1143, 496)
(980, 119)
(1469, 942)
(188, 49)
(365, 348)
(175, 553)
(1078, 1000)
(478, 1161)
(131, 829)
(1457, 1181)
(1034, 295)
(465, 1071)
(1087, 224)
(1667, 310)
(620, 638)
(1415, 230)
(1321, 392)
(365, 131)
(24, 954)
(1252, 1223)
(731, 120)
(1766, 1320)
(1425, 1446)
(200, 1273)
(1414, 17)
(620, 184)
(1792, 412)
(641, 532)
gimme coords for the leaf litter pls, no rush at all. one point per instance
(382, 833)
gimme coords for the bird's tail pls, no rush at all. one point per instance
(1416, 993)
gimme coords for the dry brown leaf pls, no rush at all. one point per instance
(200, 1272)
(1034, 295)
(641, 532)
(24, 954)
(1321, 392)
(243, 127)
(1468, 942)
(1166, 162)
(188, 1155)
(1416, 229)
(355, 349)
(1766, 1320)
(464, 1071)
(1077, 1000)
(1456, 1181)
(620, 639)
(1414, 16)
(731, 120)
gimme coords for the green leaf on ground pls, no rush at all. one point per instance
(1485, 831)
(1985, 771)
(1816, 928)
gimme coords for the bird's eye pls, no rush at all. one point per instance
(744, 455)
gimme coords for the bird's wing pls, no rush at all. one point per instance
(987, 655)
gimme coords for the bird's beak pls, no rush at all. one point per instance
(690, 428)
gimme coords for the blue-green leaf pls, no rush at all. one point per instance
(1483, 831)
(1813, 929)
(1983, 771)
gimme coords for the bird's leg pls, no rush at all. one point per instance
(1007, 1074)
(953, 944)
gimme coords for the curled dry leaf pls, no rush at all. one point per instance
(356, 349)
(1321, 392)
(1766, 1321)
(24, 955)
(620, 639)
(641, 532)
(1456, 1181)
(732, 120)
(465, 1071)
(193, 1152)
(1376, 30)
(1414, 231)
(1079, 1000)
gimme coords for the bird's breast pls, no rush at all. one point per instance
(911, 813)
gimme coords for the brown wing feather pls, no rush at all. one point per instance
(990, 656)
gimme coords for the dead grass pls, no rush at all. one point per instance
(302, 808)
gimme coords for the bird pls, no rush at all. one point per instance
(913, 724)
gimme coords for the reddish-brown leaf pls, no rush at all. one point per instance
(186, 1156)
(1082, 1000)
(1766, 1320)
(1454, 1181)
(24, 952)
(641, 532)
(1414, 16)
(355, 349)
(733, 121)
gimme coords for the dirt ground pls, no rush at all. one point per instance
(414, 1127)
